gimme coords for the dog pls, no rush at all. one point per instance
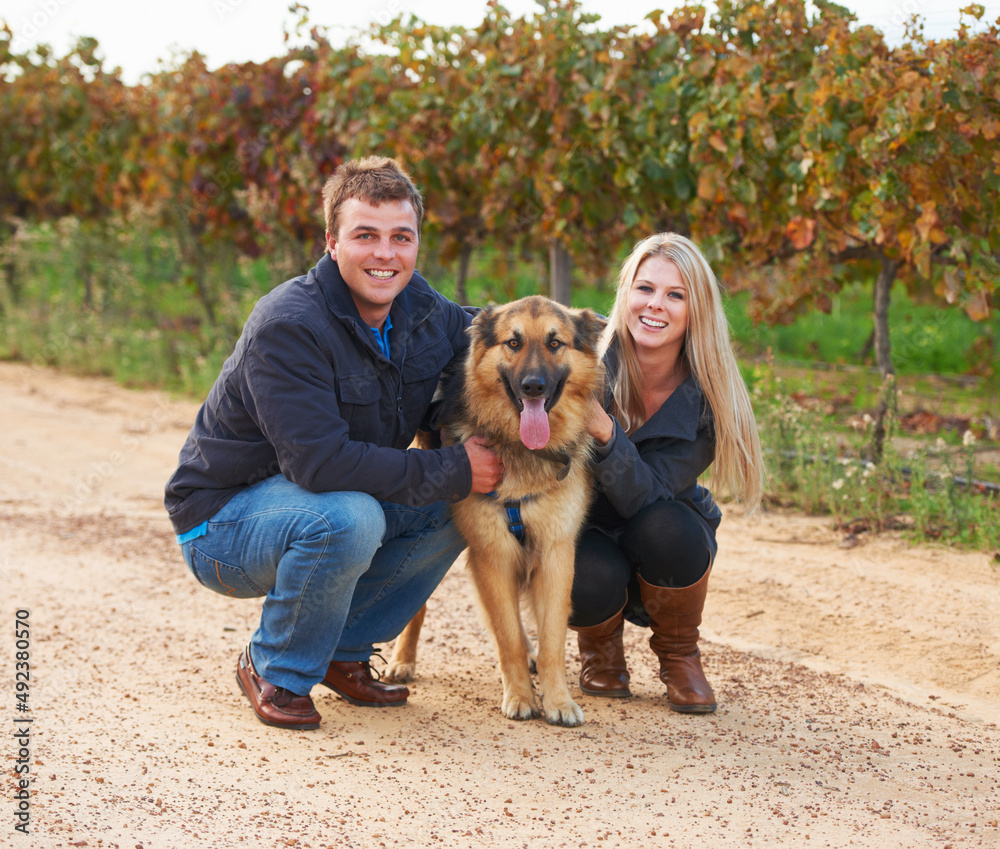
(527, 384)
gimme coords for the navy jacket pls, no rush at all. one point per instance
(660, 461)
(308, 394)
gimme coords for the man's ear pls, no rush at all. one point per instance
(331, 245)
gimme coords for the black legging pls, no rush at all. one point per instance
(664, 543)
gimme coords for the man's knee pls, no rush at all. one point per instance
(352, 523)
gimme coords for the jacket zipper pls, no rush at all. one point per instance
(398, 420)
(399, 384)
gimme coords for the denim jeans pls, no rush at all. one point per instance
(339, 571)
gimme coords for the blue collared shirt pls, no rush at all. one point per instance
(382, 337)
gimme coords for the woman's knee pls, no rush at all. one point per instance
(600, 581)
(666, 542)
(662, 523)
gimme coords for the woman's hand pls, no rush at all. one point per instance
(600, 425)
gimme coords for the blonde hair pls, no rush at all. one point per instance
(707, 352)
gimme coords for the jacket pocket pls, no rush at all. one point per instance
(358, 389)
(359, 396)
(427, 362)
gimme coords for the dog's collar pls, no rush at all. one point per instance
(560, 457)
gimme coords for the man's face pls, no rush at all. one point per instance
(376, 250)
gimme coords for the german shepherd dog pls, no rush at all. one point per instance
(529, 376)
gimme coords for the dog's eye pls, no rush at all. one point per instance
(513, 343)
(555, 344)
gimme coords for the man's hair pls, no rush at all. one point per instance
(374, 180)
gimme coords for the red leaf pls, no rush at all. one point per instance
(801, 232)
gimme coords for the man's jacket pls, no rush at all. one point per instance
(308, 394)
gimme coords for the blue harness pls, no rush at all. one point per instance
(513, 510)
(513, 507)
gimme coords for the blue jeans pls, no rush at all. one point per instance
(339, 571)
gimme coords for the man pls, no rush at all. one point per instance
(295, 483)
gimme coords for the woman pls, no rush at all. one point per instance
(677, 403)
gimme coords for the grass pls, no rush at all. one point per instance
(146, 323)
(820, 463)
(926, 339)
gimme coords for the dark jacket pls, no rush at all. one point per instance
(660, 461)
(308, 394)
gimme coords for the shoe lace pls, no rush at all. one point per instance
(377, 673)
(283, 696)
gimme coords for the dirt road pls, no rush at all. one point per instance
(859, 688)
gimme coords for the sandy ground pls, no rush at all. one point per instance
(859, 687)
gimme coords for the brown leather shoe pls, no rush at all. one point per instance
(274, 705)
(352, 680)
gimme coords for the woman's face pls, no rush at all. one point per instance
(657, 314)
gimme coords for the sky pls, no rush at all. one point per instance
(135, 36)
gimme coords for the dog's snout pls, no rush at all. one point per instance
(533, 386)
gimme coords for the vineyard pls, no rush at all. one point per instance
(139, 222)
(846, 191)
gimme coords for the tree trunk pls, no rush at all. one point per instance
(867, 348)
(7, 233)
(883, 293)
(883, 356)
(560, 268)
(461, 296)
(201, 287)
(10, 274)
(87, 276)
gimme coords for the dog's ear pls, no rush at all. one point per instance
(589, 326)
(483, 328)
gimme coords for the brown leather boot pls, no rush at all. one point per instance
(674, 616)
(602, 658)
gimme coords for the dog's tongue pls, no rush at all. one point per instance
(534, 424)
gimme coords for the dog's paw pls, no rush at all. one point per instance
(566, 713)
(519, 708)
(399, 673)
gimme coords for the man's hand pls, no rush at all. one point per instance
(487, 470)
